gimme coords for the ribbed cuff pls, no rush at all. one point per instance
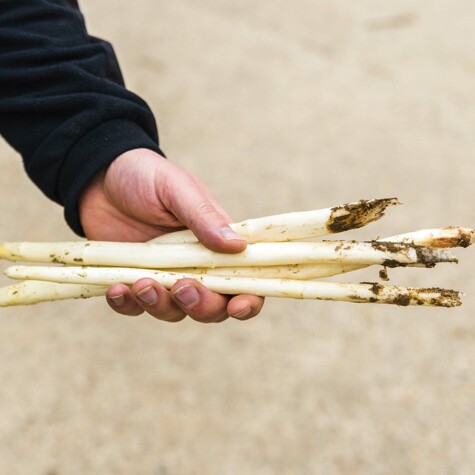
(93, 152)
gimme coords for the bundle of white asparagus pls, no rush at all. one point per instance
(273, 265)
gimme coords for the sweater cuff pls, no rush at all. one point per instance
(93, 152)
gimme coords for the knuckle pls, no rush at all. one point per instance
(202, 210)
(206, 208)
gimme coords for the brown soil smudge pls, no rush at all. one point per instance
(356, 215)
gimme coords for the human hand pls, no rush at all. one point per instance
(141, 196)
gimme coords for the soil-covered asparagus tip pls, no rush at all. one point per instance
(356, 215)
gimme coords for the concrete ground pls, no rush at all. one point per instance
(277, 106)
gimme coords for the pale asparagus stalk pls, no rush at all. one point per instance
(441, 238)
(299, 225)
(196, 255)
(32, 292)
(359, 293)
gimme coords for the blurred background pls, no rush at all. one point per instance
(277, 106)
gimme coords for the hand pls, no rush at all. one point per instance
(141, 196)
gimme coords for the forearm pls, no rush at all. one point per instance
(63, 104)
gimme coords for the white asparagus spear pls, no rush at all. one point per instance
(442, 238)
(299, 225)
(32, 292)
(359, 293)
(196, 255)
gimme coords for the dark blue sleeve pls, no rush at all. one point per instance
(63, 103)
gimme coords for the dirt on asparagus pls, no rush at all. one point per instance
(462, 238)
(355, 215)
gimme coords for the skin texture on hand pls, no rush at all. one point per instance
(141, 196)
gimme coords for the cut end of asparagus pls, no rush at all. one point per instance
(359, 214)
(405, 296)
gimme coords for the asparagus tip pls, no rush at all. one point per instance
(11, 271)
(358, 214)
(405, 296)
(455, 237)
(446, 298)
(470, 237)
(430, 256)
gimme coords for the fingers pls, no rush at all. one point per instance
(198, 302)
(157, 301)
(193, 204)
(212, 230)
(205, 306)
(186, 297)
(145, 295)
(152, 190)
(244, 307)
(119, 297)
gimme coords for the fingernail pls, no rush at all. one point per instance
(148, 296)
(187, 295)
(118, 300)
(243, 313)
(229, 234)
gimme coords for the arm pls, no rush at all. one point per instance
(63, 103)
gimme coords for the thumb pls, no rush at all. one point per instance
(193, 204)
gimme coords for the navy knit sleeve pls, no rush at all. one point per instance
(63, 103)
